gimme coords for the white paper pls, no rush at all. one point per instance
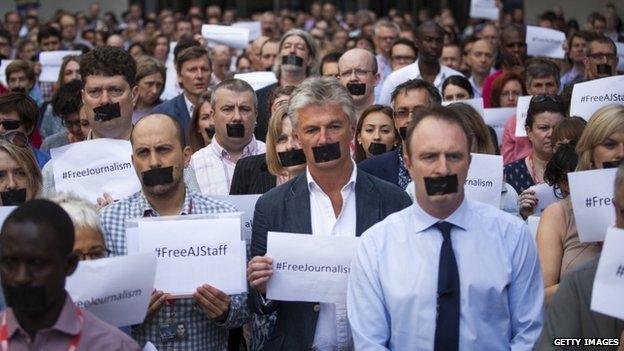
(476, 103)
(51, 63)
(5, 211)
(609, 280)
(92, 167)
(545, 196)
(191, 252)
(255, 28)
(592, 202)
(588, 97)
(3, 66)
(485, 179)
(294, 255)
(245, 204)
(172, 88)
(533, 223)
(521, 114)
(496, 118)
(545, 42)
(234, 37)
(486, 9)
(149, 347)
(620, 52)
(116, 289)
(257, 80)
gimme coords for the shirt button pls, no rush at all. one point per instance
(317, 307)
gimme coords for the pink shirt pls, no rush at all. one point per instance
(95, 335)
(513, 147)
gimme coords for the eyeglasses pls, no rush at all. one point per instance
(404, 58)
(405, 113)
(360, 73)
(67, 124)
(94, 254)
(510, 94)
(10, 124)
(16, 138)
(538, 99)
(600, 55)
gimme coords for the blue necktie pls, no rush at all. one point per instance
(447, 320)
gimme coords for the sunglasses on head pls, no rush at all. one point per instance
(546, 97)
(16, 138)
(10, 124)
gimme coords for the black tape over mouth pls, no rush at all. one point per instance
(13, 197)
(356, 89)
(235, 130)
(158, 176)
(26, 298)
(292, 60)
(291, 158)
(326, 153)
(441, 185)
(377, 148)
(107, 112)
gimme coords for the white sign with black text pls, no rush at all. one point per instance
(521, 114)
(545, 42)
(588, 97)
(484, 182)
(496, 118)
(608, 286)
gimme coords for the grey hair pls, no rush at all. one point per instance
(541, 68)
(82, 213)
(619, 181)
(313, 64)
(321, 91)
(237, 85)
(387, 24)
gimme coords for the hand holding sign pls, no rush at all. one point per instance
(259, 271)
(157, 301)
(213, 301)
(527, 201)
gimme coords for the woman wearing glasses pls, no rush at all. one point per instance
(66, 104)
(506, 89)
(19, 113)
(559, 248)
(20, 177)
(89, 241)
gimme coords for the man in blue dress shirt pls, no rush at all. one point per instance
(446, 273)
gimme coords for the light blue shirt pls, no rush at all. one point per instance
(391, 298)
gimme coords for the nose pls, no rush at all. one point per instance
(105, 98)
(377, 136)
(11, 184)
(22, 275)
(442, 168)
(323, 137)
(620, 155)
(154, 160)
(237, 115)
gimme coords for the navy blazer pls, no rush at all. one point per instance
(286, 208)
(384, 166)
(264, 112)
(176, 108)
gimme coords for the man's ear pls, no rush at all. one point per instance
(187, 152)
(72, 263)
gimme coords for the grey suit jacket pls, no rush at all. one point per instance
(176, 107)
(287, 209)
(569, 314)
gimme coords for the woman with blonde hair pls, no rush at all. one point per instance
(20, 176)
(560, 251)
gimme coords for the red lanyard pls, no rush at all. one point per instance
(4, 333)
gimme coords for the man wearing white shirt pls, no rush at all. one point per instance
(480, 59)
(235, 109)
(446, 273)
(332, 198)
(358, 73)
(430, 41)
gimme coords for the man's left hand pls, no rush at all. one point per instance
(213, 301)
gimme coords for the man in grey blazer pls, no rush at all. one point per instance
(569, 314)
(333, 197)
(194, 70)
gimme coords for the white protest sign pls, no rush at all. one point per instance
(496, 118)
(608, 286)
(620, 52)
(587, 97)
(172, 88)
(545, 197)
(257, 80)
(255, 28)
(486, 9)
(234, 37)
(313, 268)
(592, 202)
(545, 42)
(191, 252)
(245, 204)
(521, 114)
(92, 167)
(3, 66)
(533, 224)
(476, 103)
(117, 289)
(485, 179)
(51, 64)
(5, 211)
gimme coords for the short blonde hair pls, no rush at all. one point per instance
(274, 131)
(604, 122)
(26, 160)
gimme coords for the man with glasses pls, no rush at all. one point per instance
(385, 34)
(406, 98)
(358, 73)
(480, 59)
(66, 104)
(235, 109)
(602, 59)
(402, 53)
(513, 49)
(19, 114)
(430, 41)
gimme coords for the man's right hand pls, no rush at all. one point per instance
(259, 270)
(157, 301)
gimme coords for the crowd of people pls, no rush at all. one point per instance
(366, 132)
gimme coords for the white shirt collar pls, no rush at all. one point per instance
(351, 183)
(422, 220)
(189, 105)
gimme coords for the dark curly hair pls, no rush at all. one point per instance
(67, 99)
(108, 61)
(563, 161)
